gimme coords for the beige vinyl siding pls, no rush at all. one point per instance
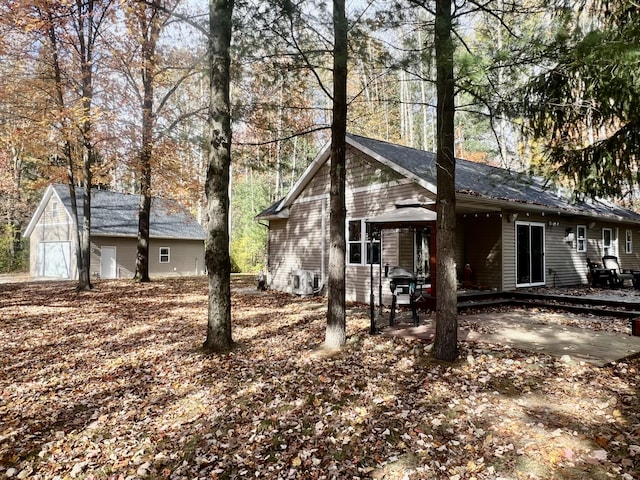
(406, 250)
(564, 265)
(363, 171)
(508, 253)
(594, 244)
(51, 228)
(397, 247)
(186, 256)
(480, 245)
(629, 260)
(296, 243)
(487, 243)
(319, 184)
(125, 255)
(358, 288)
(359, 205)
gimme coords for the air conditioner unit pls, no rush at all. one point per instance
(302, 282)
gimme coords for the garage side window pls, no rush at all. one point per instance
(165, 254)
(581, 238)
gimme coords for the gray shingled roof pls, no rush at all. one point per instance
(116, 214)
(492, 182)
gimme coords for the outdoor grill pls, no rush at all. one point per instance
(402, 282)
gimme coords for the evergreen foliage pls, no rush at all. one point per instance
(586, 106)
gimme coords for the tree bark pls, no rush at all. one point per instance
(86, 29)
(336, 312)
(446, 338)
(217, 255)
(150, 30)
(66, 146)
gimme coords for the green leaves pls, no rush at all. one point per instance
(587, 107)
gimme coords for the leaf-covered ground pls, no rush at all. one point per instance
(113, 384)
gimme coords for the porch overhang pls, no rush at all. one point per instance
(409, 214)
(403, 216)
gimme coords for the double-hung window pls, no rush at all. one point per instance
(628, 241)
(607, 242)
(165, 254)
(581, 238)
(363, 243)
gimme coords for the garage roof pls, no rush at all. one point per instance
(115, 214)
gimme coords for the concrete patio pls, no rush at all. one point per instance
(525, 329)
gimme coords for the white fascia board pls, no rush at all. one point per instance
(280, 215)
(306, 177)
(392, 165)
(35, 218)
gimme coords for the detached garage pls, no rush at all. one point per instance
(176, 240)
(55, 259)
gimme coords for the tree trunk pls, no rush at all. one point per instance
(336, 313)
(446, 338)
(86, 30)
(217, 182)
(150, 31)
(144, 216)
(66, 146)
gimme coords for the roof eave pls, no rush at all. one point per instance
(155, 237)
(281, 214)
(536, 207)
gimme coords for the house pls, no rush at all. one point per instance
(512, 231)
(176, 243)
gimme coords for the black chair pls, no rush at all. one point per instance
(610, 262)
(599, 276)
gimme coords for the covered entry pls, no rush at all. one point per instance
(417, 217)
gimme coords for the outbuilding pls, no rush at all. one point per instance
(176, 243)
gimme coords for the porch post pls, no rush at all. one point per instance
(372, 308)
(432, 259)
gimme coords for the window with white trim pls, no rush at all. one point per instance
(165, 254)
(607, 242)
(628, 241)
(581, 238)
(54, 210)
(363, 242)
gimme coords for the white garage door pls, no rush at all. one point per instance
(54, 259)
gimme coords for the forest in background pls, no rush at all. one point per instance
(281, 104)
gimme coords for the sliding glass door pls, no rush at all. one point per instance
(529, 254)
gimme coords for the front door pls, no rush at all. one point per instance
(529, 254)
(108, 262)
